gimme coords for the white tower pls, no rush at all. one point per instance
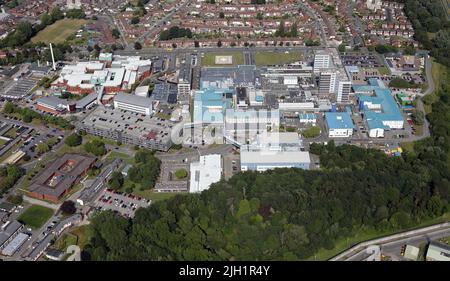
(53, 57)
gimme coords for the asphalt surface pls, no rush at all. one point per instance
(163, 51)
(166, 18)
(393, 248)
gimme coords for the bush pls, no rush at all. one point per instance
(73, 140)
(15, 199)
(401, 83)
(116, 180)
(68, 207)
(181, 174)
(95, 147)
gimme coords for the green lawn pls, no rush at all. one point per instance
(2, 142)
(438, 72)
(407, 146)
(11, 133)
(59, 31)
(209, 59)
(65, 241)
(129, 159)
(274, 58)
(155, 196)
(445, 240)
(89, 137)
(181, 174)
(82, 234)
(383, 70)
(36, 216)
(419, 129)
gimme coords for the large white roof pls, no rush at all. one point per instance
(272, 157)
(205, 172)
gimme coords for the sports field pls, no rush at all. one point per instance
(209, 59)
(59, 31)
(276, 58)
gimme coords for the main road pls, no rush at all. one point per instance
(392, 244)
(163, 51)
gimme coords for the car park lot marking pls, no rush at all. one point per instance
(123, 203)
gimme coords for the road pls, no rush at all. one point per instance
(162, 21)
(391, 244)
(110, 18)
(319, 23)
(177, 51)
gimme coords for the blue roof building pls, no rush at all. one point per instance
(381, 108)
(307, 117)
(210, 105)
(339, 124)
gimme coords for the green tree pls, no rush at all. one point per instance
(56, 14)
(42, 148)
(116, 181)
(73, 140)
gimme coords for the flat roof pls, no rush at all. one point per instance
(339, 120)
(231, 76)
(205, 172)
(272, 157)
(128, 123)
(86, 100)
(133, 100)
(383, 96)
(268, 138)
(411, 252)
(438, 251)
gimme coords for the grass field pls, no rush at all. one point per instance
(129, 159)
(208, 59)
(408, 146)
(82, 233)
(65, 241)
(383, 70)
(2, 142)
(272, 58)
(36, 216)
(11, 133)
(438, 73)
(59, 31)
